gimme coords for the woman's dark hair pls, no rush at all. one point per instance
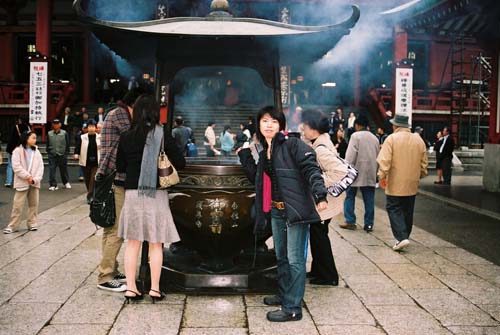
(275, 114)
(146, 115)
(211, 122)
(23, 139)
(316, 120)
(132, 96)
(226, 128)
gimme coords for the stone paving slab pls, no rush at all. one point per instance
(450, 308)
(214, 312)
(493, 310)
(88, 329)
(487, 272)
(348, 308)
(475, 289)
(472, 330)
(431, 288)
(408, 320)
(410, 276)
(213, 331)
(378, 290)
(350, 329)
(148, 319)
(27, 318)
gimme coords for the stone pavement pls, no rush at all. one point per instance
(48, 286)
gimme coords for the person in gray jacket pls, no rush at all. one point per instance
(58, 148)
(362, 153)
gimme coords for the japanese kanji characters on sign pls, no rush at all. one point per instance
(404, 92)
(38, 92)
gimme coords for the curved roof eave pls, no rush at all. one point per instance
(217, 26)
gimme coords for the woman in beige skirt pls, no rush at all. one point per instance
(146, 213)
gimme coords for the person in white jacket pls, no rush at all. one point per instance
(27, 164)
(88, 156)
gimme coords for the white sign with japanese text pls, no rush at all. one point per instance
(404, 92)
(38, 92)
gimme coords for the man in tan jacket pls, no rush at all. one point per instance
(402, 162)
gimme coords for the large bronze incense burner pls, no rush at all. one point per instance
(201, 64)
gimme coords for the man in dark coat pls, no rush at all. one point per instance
(446, 154)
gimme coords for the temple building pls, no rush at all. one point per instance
(452, 46)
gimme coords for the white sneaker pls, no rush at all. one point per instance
(67, 185)
(9, 230)
(53, 188)
(401, 245)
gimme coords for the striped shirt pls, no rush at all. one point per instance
(116, 123)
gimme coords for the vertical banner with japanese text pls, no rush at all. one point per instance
(38, 92)
(404, 92)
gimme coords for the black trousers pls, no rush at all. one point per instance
(400, 210)
(61, 163)
(446, 166)
(210, 152)
(323, 264)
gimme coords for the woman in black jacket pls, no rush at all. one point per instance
(145, 215)
(289, 191)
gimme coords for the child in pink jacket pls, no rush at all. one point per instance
(27, 164)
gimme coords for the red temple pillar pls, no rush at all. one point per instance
(43, 26)
(400, 44)
(6, 50)
(400, 52)
(43, 42)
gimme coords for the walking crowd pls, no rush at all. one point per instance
(303, 182)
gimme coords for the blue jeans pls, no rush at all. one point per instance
(290, 245)
(9, 179)
(368, 193)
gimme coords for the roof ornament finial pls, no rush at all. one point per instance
(219, 8)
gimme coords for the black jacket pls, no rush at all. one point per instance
(299, 180)
(449, 145)
(129, 156)
(15, 137)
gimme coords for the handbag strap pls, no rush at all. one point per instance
(162, 146)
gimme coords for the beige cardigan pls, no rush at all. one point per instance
(333, 172)
(402, 161)
(20, 167)
(82, 161)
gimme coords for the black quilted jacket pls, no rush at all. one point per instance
(299, 180)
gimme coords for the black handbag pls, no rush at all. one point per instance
(102, 206)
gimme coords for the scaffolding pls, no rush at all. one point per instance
(469, 91)
(458, 94)
(481, 74)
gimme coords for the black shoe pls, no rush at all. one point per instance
(136, 297)
(120, 277)
(157, 298)
(113, 286)
(368, 228)
(319, 281)
(280, 316)
(272, 300)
